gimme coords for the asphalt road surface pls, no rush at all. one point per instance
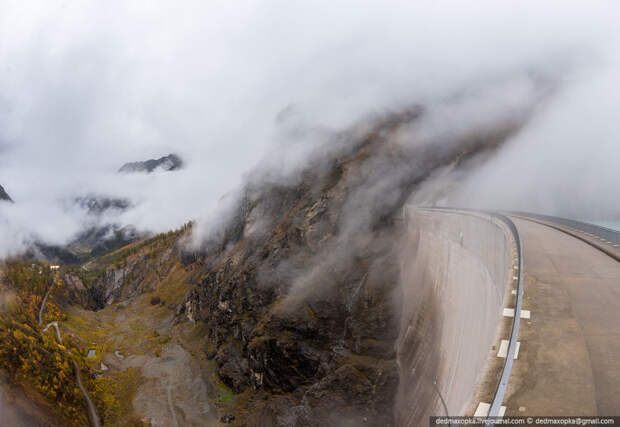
(569, 360)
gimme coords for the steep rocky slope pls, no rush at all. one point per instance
(300, 293)
(287, 314)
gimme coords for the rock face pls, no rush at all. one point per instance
(297, 296)
(300, 291)
(4, 196)
(76, 293)
(133, 276)
(168, 163)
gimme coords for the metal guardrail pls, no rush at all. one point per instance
(500, 392)
(608, 234)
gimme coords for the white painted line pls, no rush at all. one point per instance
(510, 312)
(516, 267)
(483, 410)
(503, 349)
(514, 292)
(515, 277)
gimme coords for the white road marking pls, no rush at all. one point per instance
(510, 312)
(514, 292)
(483, 410)
(503, 349)
(517, 350)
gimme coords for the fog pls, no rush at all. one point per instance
(86, 87)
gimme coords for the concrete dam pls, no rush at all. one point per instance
(507, 315)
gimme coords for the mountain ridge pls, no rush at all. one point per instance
(170, 162)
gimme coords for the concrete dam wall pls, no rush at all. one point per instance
(456, 273)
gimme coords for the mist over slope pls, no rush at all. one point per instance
(286, 313)
(84, 87)
(300, 291)
(303, 129)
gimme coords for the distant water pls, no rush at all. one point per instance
(614, 225)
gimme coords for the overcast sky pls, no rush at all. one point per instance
(87, 86)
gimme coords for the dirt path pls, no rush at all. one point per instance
(91, 407)
(55, 325)
(47, 294)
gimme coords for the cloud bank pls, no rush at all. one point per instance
(86, 87)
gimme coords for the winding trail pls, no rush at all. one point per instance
(55, 325)
(91, 406)
(47, 294)
(92, 412)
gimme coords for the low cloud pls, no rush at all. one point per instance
(85, 88)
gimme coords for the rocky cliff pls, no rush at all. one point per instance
(290, 310)
(300, 291)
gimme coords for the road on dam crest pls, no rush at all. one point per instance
(461, 273)
(569, 363)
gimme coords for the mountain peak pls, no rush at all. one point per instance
(168, 163)
(4, 196)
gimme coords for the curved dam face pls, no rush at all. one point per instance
(456, 269)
